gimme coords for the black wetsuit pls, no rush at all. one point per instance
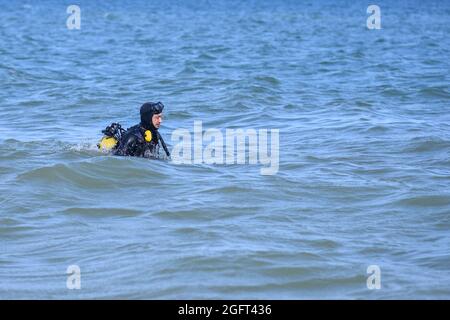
(133, 143)
(142, 140)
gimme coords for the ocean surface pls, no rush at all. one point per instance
(364, 154)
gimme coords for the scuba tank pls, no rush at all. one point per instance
(112, 135)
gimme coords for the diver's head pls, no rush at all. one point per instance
(151, 115)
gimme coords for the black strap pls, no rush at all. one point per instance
(163, 144)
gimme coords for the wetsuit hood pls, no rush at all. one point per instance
(148, 109)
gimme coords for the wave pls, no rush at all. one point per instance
(102, 212)
(427, 144)
(435, 92)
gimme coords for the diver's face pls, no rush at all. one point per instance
(157, 120)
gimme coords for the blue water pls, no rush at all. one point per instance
(364, 175)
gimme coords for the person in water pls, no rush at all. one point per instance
(143, 139)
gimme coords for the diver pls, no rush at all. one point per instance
(141, 140)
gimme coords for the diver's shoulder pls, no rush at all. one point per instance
(135, 130)
(136, 127)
